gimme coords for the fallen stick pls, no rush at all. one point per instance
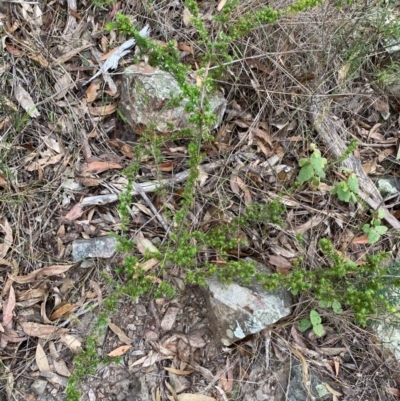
(149, 186)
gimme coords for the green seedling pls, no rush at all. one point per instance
(312, 168)
(315, 322)
(347, 190)
(335, 305)
(375, 229)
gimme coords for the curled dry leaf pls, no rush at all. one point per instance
(62, 311)
(25, 100)
(91, 92)
(187, 16)
(76, 212)
(120, 350)
(121, 335)
(144, 245)
(98, 167)
(42, 330)
(41, 359)
(71, 342)
(9, 307)
(45, 271)
(280, 262)
(8, 239)
(103, 111)
(97, 290)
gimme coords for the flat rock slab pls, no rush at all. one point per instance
(101, 247)
(148, 101)
(236, 311)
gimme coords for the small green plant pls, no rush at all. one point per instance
(315, 322)
(312, 168)
(335, 305)
(347, 190)
(375, 229)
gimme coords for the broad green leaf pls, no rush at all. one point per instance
(303, 162)
(381, 213)
(366, 228)
(352, 182)
(336, 307)
(373, 236)
(318, 329)
(325, 304)
(306, 173)
(304, 324)
(353, 198)
(315, 317)
(318, 163)
(381, 229)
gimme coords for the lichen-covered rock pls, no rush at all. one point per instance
(147, 101)
(236, 311)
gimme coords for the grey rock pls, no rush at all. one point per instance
(294, 389)
(236, 311)
(146, 95)
(388, 186)
(39, 386)
(101, 247)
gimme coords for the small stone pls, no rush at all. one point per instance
(169, 318)
(151, 335)
(39, 386)
(131, 327)
(141, 310)
(101, 247)
(146, 93)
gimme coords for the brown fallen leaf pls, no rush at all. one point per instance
(97, 167)
(76, 212)
(144, 245)
(121, 335)
(97, 290)
(32, 293)
(178, 371)
(9, 308)
(68, 55)
(186, 17)
(37, 57)
(92, 91)
(41, 359)
(12, 49)
(45, 271)
(71, 342)
(363, 239)
(102, 111)
(280, 262)
(8, 238)
(62, 311)
(25, 100)
(120, 350)
(185, 48)
(45, 331)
